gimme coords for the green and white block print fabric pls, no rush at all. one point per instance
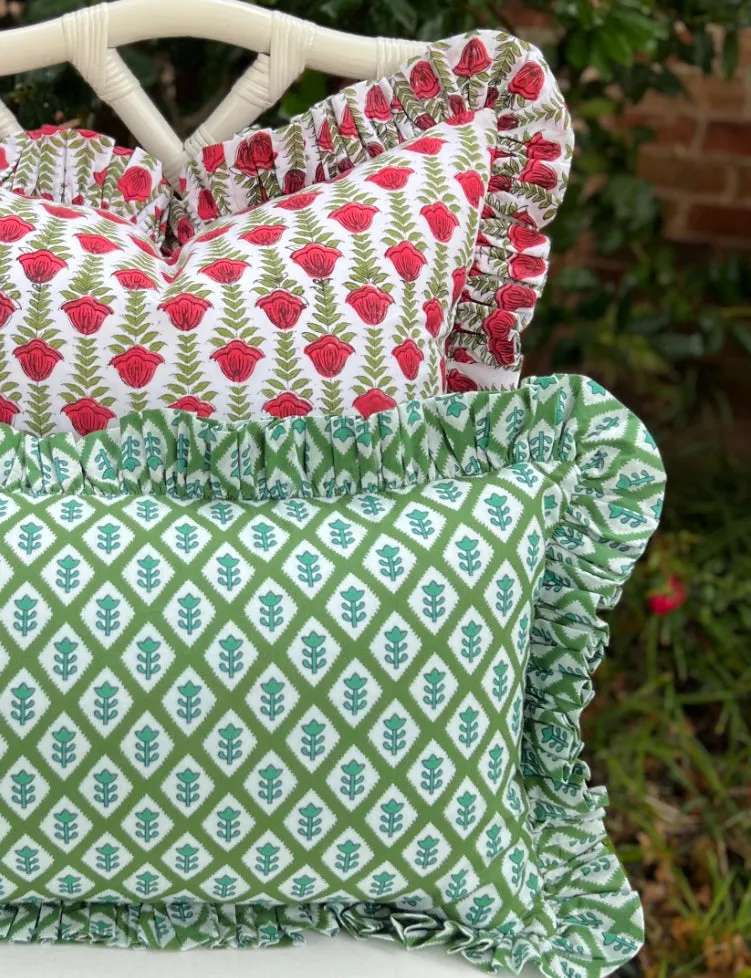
(319, 673)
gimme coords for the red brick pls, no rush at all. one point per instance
(732, 138)
(724, 96)
(699, 176)
(721, 221)
(672, 130)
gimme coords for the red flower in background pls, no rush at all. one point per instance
(12, 229)
(287, 405)
(214, 233)
(225, 270)
(370, 304)
(8, 410)
(324, 137)
(347, 125)
(539, 148)
(255, 154)
(491, 97)
(186, 311)
(329, 354)
(41, 267)
(100, 176)
(409, 356)
(460, 114)
(497, 327)
(471, 183)
(213, 157)
(459, 276)
(143, 246)
(193, 404)
(135, 184)
(507, 122)
(539, 174)
(283, 308)
(97, 244)
(207, 206)
(237, 360)
(134, 279)
(3, 159)
(427, 145)
(407, 260)
(424, 121)
(376, 105)
(7, 308)
(373, 401)
(459, 383)
(266, 235)
(298, 201)
(374, 149)
(523, 238)
(391, 177)
(528, 81)
(515, 297)
(86, 314)
(88, 415)
(55, 210)
(136, 366)
(526, 266)
(441, 221)
(422, 80)
(38, 359)
(433, 316)
(354, 217)
(474, 59)
(317, 260)
(185, 230)
(294, 180)
(672, 596)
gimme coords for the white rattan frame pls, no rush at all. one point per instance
(88, 39)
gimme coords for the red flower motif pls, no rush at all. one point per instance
(189, 403)
(207, 206)
(144, 246)
(66, 213)
(499, 184)
(3, 159)
(78, 200)
(135, 184)
(459, 277)
(41, 267)
(122, 151)
(539, 148)
(424, 121)
(391, 177)
(136, 366)
(474, 59)
(354, 217)
(376, 105)
(185, 230)
(320, 174)
(407, 260)
(213, 157)
(459, 383)
(433, 316)
(507, 122)
(460, 114)
(370, 304)
(298, 201)
(513, 297)
(462, 356)
(524, 238)
(347, 125)
(526, 266)
(317, 260)
(8, 410)
(12, 229)
(497, 327)
(266, 235)
(471, 183)
(409, 356)
(255, 154)
(88, 415)
(324, 137)
(491, 97)
(37, 358)
(528, 81)
(422, 80)
(540, 174)
(441, 221)
(287, 405)
(237, 360)
(86, 314)
(134, 279)
(427, 145)
(7, 308)
(115, 218)
(294, 180)
(667, 600)
(214, 233)
(97, 244)
(186, 311)
(225, 270)
(283, 308)
(374, 149)
(329, 354)
(373, 401)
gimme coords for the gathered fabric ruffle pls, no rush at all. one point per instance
(587, 919)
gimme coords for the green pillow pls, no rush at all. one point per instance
(319, 673)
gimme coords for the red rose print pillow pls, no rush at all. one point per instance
(338, 298)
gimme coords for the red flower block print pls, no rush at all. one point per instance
(433, 316)
(317, 260)
(12, 229)
(86, 314)
(135, 184)
(539, 148)
(136, 366)
(528, 81)
(409, 356)
(513, 297)
(287, 405)
(354, 217)
(671, 597)
(459, 383)
(373, 401)
(226, 271)
(391, 177)
(472, 185)
(283, 308)
(213, 157)
(208, 209)
(370, 304)
(441, 221)
(266, 235)
(42, 266)
(298, 202)
(294, 180)
(427, 145)
(459, 276)
(474, 59)
(407, 260)
(134, 279)
(347, 125)
(422, 80)
(66, 213)
(376, 105)
(7, 308)
(38, 359)
(194, 405)
(523, 238)
(97, 244)
(328, 355)
(497, 327)
(8, 410)
(186, 311)
(237, 360)
(526, 267)
(88, 415)
(539, 174)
